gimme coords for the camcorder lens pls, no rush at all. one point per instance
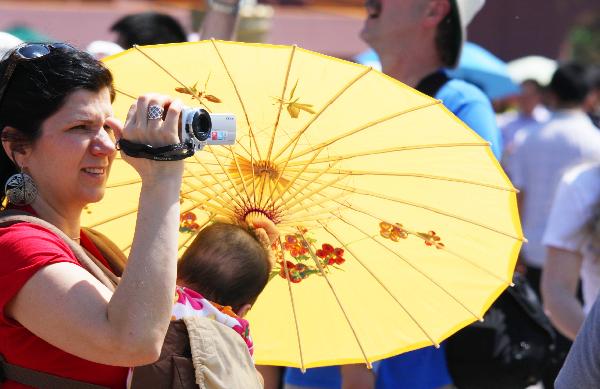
(201, 125)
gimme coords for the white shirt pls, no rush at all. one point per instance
(536, 167)
(576, 201)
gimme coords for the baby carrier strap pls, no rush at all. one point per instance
(88, 261)
(113, 255)
(35, 378)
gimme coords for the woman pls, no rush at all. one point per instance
(58, 129)
(573, 249)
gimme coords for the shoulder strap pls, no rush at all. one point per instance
(37, 379)
(431, 84)
(113, 254)
(91, 264)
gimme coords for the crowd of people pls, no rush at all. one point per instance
(70, 316)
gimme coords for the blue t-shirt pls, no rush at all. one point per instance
(424, 368)
(318, 377)
(473, 107)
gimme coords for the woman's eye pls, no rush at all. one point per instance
(79, 127)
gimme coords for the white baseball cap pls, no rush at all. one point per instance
(7, 43)
(465, 11)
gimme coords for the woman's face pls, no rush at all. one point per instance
(71, 159)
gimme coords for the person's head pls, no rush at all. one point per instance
(530, 96)
(148, 28)
(569, 85)
(592, 100)
(440, 25)
(54, 104)
(227, 264)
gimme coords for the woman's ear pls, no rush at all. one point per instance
(14, 146)
(243, 310)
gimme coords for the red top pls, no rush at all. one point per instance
(24, 249)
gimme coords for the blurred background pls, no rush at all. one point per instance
(557, 29)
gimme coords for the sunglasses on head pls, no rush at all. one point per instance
(27, 52)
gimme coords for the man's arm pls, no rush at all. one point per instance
(357, 377)
(221, 20)
(560, 277)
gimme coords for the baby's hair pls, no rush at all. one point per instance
(227, 264)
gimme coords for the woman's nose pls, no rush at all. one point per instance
(103, 143)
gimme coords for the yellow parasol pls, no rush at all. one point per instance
(398, 225)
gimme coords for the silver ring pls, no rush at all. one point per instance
(155, 112)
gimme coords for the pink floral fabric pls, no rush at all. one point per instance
(191, 303)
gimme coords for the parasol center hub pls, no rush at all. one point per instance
(267, 168)
(256, 216)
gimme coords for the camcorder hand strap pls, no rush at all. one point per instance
(174, 152)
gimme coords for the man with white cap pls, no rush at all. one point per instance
(416, 39)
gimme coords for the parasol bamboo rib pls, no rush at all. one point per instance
(210, 219)
(308, 182)
(123, 249)
(136, 47)
(297, 136)
(114, 217)
(299, 210)
(125, 94)
(130, 182)
(290, 183)
(202, 203)
(252, 138)
(390, 150)
(427, 208)
(214, 178)
(308, 216)
(412, 175)
(364, 127)
(275, 126)
(473, 263)
(239, 170)
(296, 323)
(285, 84)
(237, 192)
(315, 190)
(208, 185)
(412, 318)
(409, 263)
(337, 299)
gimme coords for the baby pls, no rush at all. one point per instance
(219, 276)
(222, 273)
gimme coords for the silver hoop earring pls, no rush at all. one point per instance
(20, 189)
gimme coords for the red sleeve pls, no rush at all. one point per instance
(24, 249)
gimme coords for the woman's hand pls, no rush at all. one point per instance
(156, 132)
